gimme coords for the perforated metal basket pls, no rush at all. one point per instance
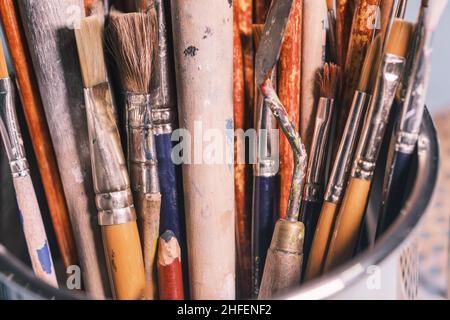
(388, 270)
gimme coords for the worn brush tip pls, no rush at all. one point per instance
(329, 81)
(89, 37)
(399, 36)
(3, 65)
(368, 73)
(257, 30)
(132, 40)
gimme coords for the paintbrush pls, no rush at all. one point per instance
(204, 70)
(353, 206)
(132, 41)
(331, 30)
(401, 9)
(265, 180)
(412, 106)
(284, 257)
(386, 10)
(313, 59)
(170, 273)
(289, 70)
(315, 174)
(361, 35)
(342, 163)
(30, 214)
(116, 213)
(39, 133)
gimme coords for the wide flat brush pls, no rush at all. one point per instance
(266, 181)
(412, 106)
(30, 214)
(315, 174)
(114, 200)
(289, 70)
(39, 132)
(342, 163)
(353, 206)
(132, 41)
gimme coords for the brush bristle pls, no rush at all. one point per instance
(257, 34)
(132, 41)
(89, 38)
(436, 8)
(369, 70)
(3, 65)
(398, 42)
(329, 81)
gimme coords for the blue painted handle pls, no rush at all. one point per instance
(265, 214)
(395, 181)
(310, 212)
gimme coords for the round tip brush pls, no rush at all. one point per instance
(354, 203)
(342, 163)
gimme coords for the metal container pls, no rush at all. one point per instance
(388, 270)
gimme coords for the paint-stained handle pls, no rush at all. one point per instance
(125, 262)
(265, 214)
(393, 190)
(148, 206)
(284, 259)
(348, 222)
(33, 227)
(322, 235)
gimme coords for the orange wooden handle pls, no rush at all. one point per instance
(348, 223)
(321, 240)
(125, 262)
(39, 132)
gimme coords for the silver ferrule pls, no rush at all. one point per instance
(342, 163)
(163, 94)
(389, 76)
(414, 94)
(314, 184)
(110, 176)
(10, 130)
(142, 161)
(266, 148)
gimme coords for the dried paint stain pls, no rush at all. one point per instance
(44, 258)
(208, 32)
(190, 51)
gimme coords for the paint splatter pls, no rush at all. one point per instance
(44, 258)
(190, 51)
(230, 3)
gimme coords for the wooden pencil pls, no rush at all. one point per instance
(170, 275)
(289, 93)
(39, 132)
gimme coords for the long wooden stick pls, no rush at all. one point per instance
(313, 58)
(39, 133)
(204, 66)
(344, 18)
(243, 218)
(289, 93)
(53, 52)
(386, 9)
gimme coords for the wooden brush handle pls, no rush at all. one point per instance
(320, 242)
(33, 227)
(39, 133)
(170, 275)
(348, 223)
(310, 215)
(284, 259)
(148, 208)
(125, 262)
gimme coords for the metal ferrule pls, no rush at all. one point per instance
(110, 176)
(298, 148)
(389, 76)
(266, 151)
(163, 94)
(342, 163)
(413, 104)
(142, 160)
(10, 131)
(317, 155)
